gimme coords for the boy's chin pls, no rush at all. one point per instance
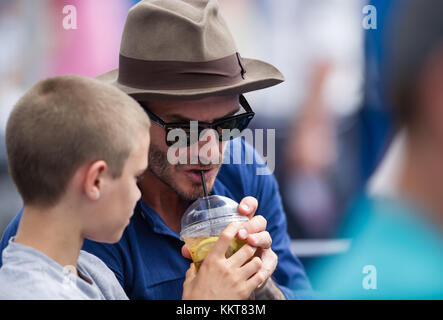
(110, 238)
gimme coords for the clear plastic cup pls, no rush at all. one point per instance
(204, 221)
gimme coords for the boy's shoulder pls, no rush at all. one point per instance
(29, 274)
(25, 276)
(20, 284)
(103, 277)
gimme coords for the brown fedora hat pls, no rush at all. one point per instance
(183, 49)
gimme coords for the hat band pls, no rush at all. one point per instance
(176, 75)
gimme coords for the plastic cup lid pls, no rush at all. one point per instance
(209, 216)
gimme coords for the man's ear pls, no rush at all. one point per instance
(93, 184)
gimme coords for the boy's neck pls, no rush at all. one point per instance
(54, 232)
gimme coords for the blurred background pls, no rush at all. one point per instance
(332, 125)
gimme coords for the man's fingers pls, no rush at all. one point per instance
(245, 253)
(191, 273)
(261, 240)
(255, 281)
(269, 262)
(255, 225)
(251, 268)
(185, 252)
(225, 239)
(248, 206)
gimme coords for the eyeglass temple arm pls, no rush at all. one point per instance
(245, 103)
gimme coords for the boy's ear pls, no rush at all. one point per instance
(93, 184)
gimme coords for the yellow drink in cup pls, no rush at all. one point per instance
(200, 246)
(204, 221)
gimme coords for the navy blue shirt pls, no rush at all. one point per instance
(148, 261)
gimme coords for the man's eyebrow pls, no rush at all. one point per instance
(180, 118)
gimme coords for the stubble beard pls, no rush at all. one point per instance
(164, 171)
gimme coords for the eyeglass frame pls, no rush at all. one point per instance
(249, 114)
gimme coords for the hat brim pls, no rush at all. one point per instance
(259, 75)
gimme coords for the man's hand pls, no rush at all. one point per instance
(219, 277)
(254, 231)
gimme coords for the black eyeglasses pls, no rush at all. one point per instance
(227, 128)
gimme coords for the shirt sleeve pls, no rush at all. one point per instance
(103, 277)
(110, 255)
(289, 275)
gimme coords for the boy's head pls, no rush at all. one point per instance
(72, 138)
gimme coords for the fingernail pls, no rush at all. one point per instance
(243, 233)
(245, 207)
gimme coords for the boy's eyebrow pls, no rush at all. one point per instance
(180, 118)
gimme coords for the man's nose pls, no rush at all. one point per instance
(209, 145)
(209, 136)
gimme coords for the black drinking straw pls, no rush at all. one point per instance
(204, 188)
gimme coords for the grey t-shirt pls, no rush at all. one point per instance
(29, 274)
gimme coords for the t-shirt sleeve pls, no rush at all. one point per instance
(10, 231)
(104, 278)
(110, 255)
(289, 275)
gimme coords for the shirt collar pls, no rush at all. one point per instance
(154, 220)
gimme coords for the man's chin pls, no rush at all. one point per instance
(186, 187)
(190, 191)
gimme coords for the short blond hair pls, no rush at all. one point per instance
(62, 123)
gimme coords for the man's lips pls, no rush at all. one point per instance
(195, 175)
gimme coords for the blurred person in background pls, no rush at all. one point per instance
(381, 145)
(319, 160)
(319, 44)
(397, 252)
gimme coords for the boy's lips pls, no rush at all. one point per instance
(195, 176)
